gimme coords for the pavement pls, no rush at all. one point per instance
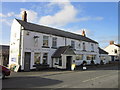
(105, 76)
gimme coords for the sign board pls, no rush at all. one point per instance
(84, 68)
(73, 67)
(13, 59)
(16, 68)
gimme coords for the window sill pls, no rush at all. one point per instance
(56, 64)
(45, 47)
(54, 47)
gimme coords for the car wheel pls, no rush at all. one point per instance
(3, 75)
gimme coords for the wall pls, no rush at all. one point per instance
(63, 61)
(14, 42)
(28, 45)
(107, 58)
(110, 50)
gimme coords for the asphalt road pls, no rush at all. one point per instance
(105, 77)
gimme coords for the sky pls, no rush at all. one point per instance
(98, 19)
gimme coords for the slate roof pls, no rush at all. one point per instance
(101, 51)
(53, 31)
(117, 45)
(63, 50)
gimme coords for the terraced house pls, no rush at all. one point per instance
(36, 44)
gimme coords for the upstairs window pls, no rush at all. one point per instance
(79, 45)
(115, 51)
(36, 38)
(73, 44)
(84, 46)
(45, 41)
(54, 42)
(92, 47)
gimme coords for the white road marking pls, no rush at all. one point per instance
(97, 77)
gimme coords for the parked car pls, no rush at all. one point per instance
(4, 71)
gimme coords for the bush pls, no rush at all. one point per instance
(84, 62)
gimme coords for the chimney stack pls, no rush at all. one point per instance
(111, 42)
(24, 16)
(83, 33)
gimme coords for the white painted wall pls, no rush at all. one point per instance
(107, 58)
(63, 61)
(110, 49)
(28, 45)
(14, 42)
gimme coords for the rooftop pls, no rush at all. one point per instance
(53, 31)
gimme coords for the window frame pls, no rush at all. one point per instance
(37, 61)
(73, 44)
(54, 42)
(84, 47)
(46, 61)
(46, 38)
(92, 47)
(80, 56)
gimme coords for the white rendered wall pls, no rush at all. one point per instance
(110, 49)
(28, 45)
(14, 42)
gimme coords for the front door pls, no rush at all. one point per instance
(112, 57)
(68, 62)
(27, 61)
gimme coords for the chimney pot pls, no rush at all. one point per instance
(111, 42)
(83, 33)
(24, 16)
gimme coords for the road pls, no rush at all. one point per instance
(105, 77)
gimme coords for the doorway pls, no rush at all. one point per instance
(112, 58)
(27, 60)
(68, 62)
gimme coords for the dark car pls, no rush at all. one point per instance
(4, 72)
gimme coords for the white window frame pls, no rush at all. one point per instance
(54, 42)
(73, 44)
(47, 39)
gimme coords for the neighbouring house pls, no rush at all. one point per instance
(4, 55)
(32, 44)
(113, 51)
(104, 56)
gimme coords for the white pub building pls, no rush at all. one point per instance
(32, 44)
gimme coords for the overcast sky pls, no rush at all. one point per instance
(99, 19)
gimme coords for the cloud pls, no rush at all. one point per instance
(104, 40)
(66, 15)
(31, 15)
(90, 18)
(7, 22)
(7, 15)
(2, 15)
(98, 18)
